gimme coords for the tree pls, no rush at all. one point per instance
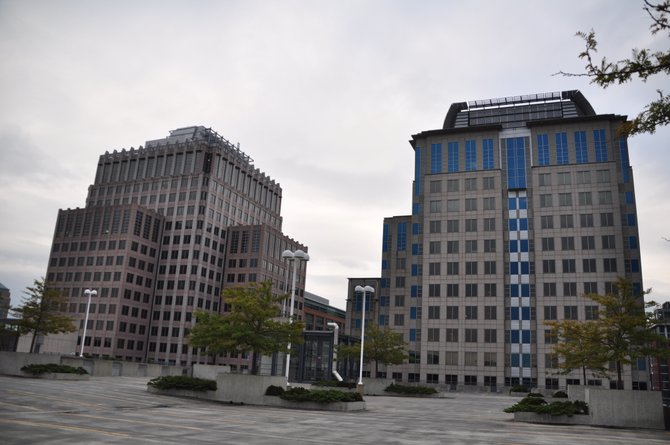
(621, 334)
(252, 326)
(382, 345)
(577, 347)
(40, 314)
(643, 64)
(625, 327)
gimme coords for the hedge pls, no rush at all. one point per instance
(53, 368)
(411, 390)
(182, 382)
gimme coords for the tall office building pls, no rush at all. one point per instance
(165, 229)
(520, 206)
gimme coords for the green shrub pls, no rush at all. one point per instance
(411, 390)
(560, 395)
(535, 394)
(519, 388)
(274, 390)
(335, 384)
(53, 368)
(534, 404)
(320, 395)
(182, 382)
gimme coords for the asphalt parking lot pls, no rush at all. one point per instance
(119, 410)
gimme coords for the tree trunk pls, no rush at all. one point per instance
(584, 373)
(34, 340)
(254, 366)
(619, 381)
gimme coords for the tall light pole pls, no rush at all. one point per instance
(363, 290)
(88, 293)
(296, 256)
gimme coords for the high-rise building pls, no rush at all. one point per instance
(520, 206)
(165, 229)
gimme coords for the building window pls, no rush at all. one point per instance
(471, 335)
(588, 242)
(490, 336)
(470, 312)
(434, 335)
(543, 149)
(586, 220)
(452, 157)
(581, 149)
(452, 312)
(451, 335)
(561, 148)
(433, 357)
(487, 154)
(570, 312)
(550, 313)
(436, 158)
(470, 155)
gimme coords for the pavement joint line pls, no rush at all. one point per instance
(63, 427)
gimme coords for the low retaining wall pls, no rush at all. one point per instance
(58, 376)
(577, 419)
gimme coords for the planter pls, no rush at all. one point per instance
(313, 406)
(577, 419)
(58, 376)
(206, 395)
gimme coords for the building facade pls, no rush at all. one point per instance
(520, 206)
(166, 228)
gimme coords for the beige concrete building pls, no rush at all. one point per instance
(520, 206)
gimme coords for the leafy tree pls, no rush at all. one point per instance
(643, 64)
(382, 345)
(625, 327)
(40, 314)
(621, 334)
(578, 347)
(252, 326)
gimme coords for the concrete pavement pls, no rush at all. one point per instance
(119, 410)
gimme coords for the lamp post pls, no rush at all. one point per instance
(364, 290)
(296, 256)
(88, 293)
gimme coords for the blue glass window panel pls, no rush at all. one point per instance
(470, 155)
(516, 163)
(634, 266)
(415, 270)
(525, 338)
(401, 242)
(452, 157)
(514, 270)
(525, 290)
(414, 291)
(415, 249)
(513, 225)
(386, 238)
(632, 242)
(383, 320)
(385, 283)
(523, 245)
(416, 208)
(523, 203)
(523, 223)
(625, 163)
(412, 334)
(487, 154)
(515, 358)
(630, 219)
(581, 149)
(525, 314)
(514, 313)
(412, 313)
(562, 148)
(642, 364)
(417, 171)
(385, 264)
(637, 288)
(525, 269)
(416, 229)
(357, 323)
(525, 360)
(436, 158)
(511, 202)
(514, 337)
(600, 142)
(543, 149)
(513, 245)
(629, 197)
(384, 300)
(514, 289)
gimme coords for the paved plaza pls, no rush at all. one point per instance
(119, 410)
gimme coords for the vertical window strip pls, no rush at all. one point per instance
(470, 155)
(516, 163)
(436, 158)
(625, 163)
(600, 145)
(543, 149)
(452, 157)
(562, 148)
(581, 149)
(417, 171)
(401, 242)
(487, 154)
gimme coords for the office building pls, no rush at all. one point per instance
(166, 228)
(520, 206)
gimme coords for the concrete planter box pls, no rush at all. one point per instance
(58, 376)
(206, 395)
(577, 419)
(335, 406)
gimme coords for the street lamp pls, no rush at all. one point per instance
(88, 293)
(296, 256)
(364, 290)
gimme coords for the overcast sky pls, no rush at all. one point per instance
(323, 95)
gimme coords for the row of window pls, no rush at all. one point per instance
(469, 204)
(469, 184)
(582, 177)
(565, 199)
